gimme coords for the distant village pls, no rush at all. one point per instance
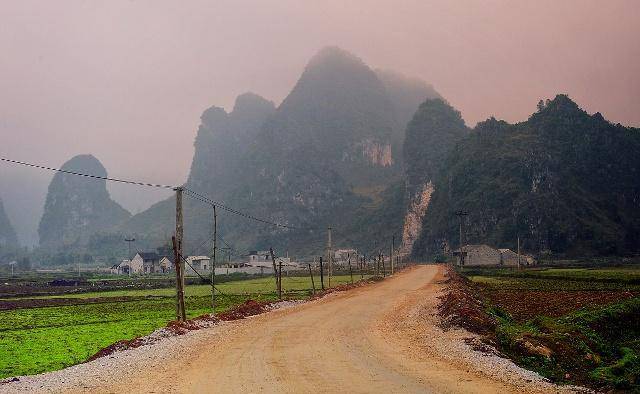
(260, 261)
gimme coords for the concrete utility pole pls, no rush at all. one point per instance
(461, 214)
(213, 261)
(178, 256)
(329, 254)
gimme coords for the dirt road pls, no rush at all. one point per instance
(377, 338)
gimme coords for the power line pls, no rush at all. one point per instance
(26, 164)
(209, 201)
(190, 192)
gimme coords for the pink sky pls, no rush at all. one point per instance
(128, 80)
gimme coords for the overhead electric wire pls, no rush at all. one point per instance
(26, 164)
(205, 199)
(190, 192)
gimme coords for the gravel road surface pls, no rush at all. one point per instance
(379, 338)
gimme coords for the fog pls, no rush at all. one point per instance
(128, 80)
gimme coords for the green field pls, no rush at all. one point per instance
(587, 319)
(34, 340)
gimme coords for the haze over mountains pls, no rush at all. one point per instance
(330, 147)
(78, 208)
(374, 154)
(564, 181)
(8, 238)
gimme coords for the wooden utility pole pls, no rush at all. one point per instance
(329, 254)
(275, 269)
(321, 274)
(461, 214)
(178, 256)
(180, 310)
(213, 261)
(393, 245)
(350, 271)
(518, 252)
(280, 279)
(313, 285)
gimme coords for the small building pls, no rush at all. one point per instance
(127, 267)
(484, 255)
(259, 258)
(199, 264)
(341, 256)
(510, 258)
(166, 264)
(150, 262)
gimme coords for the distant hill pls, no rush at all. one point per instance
(8, 238)
(431, 135)
(330, 152)
(78, 208)
(565, 182)
(405, 94)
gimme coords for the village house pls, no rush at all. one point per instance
(144, 263)
(484, 255)
(166, 264)
(197, 264)
(127, 267)
(262, 258)
(341, 256)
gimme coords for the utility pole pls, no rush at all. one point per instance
(329, 254)
(177, 253)
(461, 214)
(393, 245)
(518, 252)
(128, 241)
(280, 280)
(275, 269)
(321, 274)
(213, 261)
(313, 285)
(350, 271)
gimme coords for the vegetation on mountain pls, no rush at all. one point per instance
(8, 238)
(564, 182)
(325, 156)
(434, 130)
(77, 208)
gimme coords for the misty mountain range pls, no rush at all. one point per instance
(374, 154)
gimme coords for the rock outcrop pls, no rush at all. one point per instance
(8, 238)
(77, 207)
(329, 149)
(565, 182)
(432, 133)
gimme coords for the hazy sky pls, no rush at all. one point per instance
(128, 80)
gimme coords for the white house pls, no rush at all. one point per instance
(263, 259)
(200, 264)
(127, 267)
(166, 264)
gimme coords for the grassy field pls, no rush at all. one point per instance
(573, 325)
(34, 340)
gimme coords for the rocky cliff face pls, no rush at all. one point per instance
(432, 133)
(564, 181)
(78, 207)
(223, 144)
(312, 162)
(8, 238)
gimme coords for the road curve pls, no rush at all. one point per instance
(379, 338)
